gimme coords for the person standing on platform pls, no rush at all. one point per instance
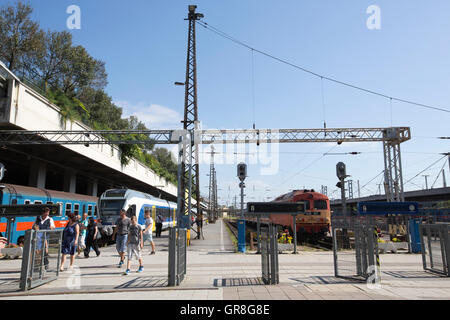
(44, 222)
(70, 240)
(148, 230)
(122, 226)
(135, 243)
(159, 221)
(82, 238)
(91, 238)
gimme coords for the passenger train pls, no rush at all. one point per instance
(11, 194)
(135, 203)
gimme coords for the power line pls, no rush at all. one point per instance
(223, 34)
(445, 162)
(426, 169)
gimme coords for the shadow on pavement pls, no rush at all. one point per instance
(144, 282)
(237, 282)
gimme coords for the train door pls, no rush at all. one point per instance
(174, 217)
(154, 218)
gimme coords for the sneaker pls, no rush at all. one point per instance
(127, 272)
(153, 252)
(120, 264)
(141, 268)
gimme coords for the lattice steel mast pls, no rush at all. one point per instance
(190, 122)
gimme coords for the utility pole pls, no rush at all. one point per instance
(359, 190)
(426, 181)
(212, 189)
(350, 189)
(443, 178)
(190, 123)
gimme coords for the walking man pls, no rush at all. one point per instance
(135, 244)
(159, 221)
(148, 230)
(44, 222)
(121, 230)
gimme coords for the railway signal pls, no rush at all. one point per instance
(241, 174)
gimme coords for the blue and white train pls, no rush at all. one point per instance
(135, 203)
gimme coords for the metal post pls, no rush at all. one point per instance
(172, 258)
(294, 230)
(343, 201)
(241, 224)
(258, 229)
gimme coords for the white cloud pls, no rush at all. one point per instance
(154, 116)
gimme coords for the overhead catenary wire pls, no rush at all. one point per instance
(439, 173)
(426, 169)
(223, 34)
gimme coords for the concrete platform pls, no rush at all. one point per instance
(217, 272)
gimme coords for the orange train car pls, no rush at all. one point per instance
(314, 224)
(316, 221)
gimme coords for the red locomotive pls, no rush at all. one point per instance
(316, 221)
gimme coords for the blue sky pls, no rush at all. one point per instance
(144, 46)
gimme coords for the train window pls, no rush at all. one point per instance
(90, 209)
(68, 208)
(307, 206)
(49, 202)
(38, 202)
(14, 201)
(27, 202)
(320, 204)
(76, 208)
(84, 208)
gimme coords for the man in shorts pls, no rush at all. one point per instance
(122, 226)
(148, 232)
(135, 244)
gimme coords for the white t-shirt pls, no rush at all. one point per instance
(149, 222)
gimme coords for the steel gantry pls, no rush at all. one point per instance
(391, 138)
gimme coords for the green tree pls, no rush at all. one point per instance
(47, 64)
(19, 35)
(80, 71)
(165, 158)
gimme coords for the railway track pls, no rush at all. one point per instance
(232, 226)
(326, 244)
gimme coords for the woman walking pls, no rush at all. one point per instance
(70, 240)
(91, 238)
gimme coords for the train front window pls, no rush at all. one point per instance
(320, 205)
(111, 207)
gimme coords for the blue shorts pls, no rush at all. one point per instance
(147, 237)
(121, 242)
